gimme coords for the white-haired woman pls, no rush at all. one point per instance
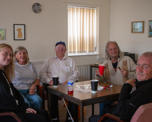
(118, 69)
(26, 78)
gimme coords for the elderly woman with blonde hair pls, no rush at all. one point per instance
(26, 78)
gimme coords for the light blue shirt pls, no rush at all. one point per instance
(25, 75)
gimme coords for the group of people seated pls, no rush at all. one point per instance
(18, 81)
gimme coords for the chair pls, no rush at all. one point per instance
(131, 55)
(42, 91)
(9, 117)
(142, 114)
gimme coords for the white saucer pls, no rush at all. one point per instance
(55, 86)
(93, 92)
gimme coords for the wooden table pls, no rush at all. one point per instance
(84, 98)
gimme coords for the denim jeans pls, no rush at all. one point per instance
(33, 100)
(101, 108)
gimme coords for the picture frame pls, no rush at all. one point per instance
(19, 31)
(2, 34)
(137, 26)
(150, 28)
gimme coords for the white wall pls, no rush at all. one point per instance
(122, 13)
(49, 26)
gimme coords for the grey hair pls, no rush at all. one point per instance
(21, 48)
(147, 54)
(107, 56)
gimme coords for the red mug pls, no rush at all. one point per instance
(101, 69)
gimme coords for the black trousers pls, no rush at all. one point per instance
(95, 118)
(7, 119)
(41, 116)
(54, 110)
(108, 108)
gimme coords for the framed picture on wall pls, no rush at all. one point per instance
(19, 31)
(137, 26)
(150, 28)
(2, 34)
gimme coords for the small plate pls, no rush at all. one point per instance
(55, 86)
(93, 92)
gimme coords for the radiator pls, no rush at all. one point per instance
(84, 72)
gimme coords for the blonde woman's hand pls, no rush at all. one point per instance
(32, 89)
(31, 110)
(51, 82)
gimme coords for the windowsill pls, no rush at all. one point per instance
(82, 54)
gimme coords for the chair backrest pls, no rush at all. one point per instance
(143, 113)
(133, 56)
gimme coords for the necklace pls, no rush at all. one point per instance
(10, 87)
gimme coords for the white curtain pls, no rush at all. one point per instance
(81, 30)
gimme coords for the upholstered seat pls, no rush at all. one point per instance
(142, 114)
(9, 117)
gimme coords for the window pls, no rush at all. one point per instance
(81, 30)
